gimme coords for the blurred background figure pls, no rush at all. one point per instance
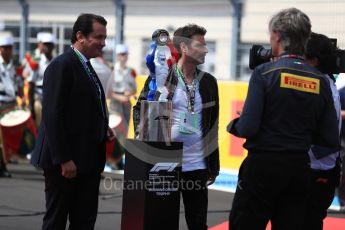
(35, 65)
(11, 86)
(103, 70)
(122, 87)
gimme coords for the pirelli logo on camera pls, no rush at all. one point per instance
(296, 82)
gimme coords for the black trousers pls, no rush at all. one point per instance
(75, 198)
(272, 187)
(195, 198)
(323, 183)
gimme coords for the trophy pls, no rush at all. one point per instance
(155, 113)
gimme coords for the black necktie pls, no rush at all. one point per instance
(93, 77)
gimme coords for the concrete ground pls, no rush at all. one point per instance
(22, 202)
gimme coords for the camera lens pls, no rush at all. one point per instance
(258, 55)
(264, 54)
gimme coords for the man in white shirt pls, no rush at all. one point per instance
(11, 85)
(35, 65)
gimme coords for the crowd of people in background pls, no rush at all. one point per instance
(21, 87)
(22, 82)
(121, 89)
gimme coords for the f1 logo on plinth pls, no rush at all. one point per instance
(166, 166)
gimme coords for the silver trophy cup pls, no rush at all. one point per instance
(155, 121)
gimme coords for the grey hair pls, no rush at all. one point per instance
(293, 27)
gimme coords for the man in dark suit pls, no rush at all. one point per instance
(74, 128)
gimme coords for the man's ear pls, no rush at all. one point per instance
(276, 36)
(183, 47)
(80, 37)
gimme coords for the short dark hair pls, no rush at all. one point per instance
(84, 24)
(185, 33)
(321, 47)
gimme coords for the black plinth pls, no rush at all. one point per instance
(151, 198)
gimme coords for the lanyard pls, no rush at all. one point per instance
(189, 91)
(92, 75)
(86, 67)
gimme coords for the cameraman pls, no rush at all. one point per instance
(289, 106)
(324, 163)
(341, 188)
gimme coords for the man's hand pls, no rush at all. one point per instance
(211, 180)
(110, 134)
(68, 169)
(128, 93)
(120, 97)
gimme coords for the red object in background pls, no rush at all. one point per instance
(133, 73)
(175, 56)
(330, 223)
(33, 64)
(236, 143)
(116, 123)
(19, 70)
(19, 132)
(110, 146)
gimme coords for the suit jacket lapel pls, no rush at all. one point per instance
(103, 97)
(91, 84)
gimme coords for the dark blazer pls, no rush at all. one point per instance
(73, 126)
